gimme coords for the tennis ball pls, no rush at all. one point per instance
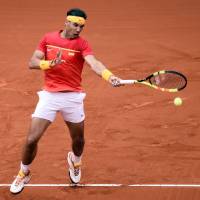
(178, 101)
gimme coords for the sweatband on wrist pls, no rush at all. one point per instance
(44, 64)
(106, 74)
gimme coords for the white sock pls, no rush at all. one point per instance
(76, 159)
(24, 168)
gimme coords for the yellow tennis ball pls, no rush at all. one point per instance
(178, 101)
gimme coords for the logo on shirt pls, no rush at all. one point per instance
(71, 53)
(48, 50)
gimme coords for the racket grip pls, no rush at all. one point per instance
(127, 81)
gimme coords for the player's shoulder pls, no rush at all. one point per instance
(82, 41)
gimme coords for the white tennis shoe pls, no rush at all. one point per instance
(74, 169)
(18, 184)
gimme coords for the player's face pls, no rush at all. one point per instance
(73, 29)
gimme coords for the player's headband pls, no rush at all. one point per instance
(76, 19)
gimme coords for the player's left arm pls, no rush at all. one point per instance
(101, 70)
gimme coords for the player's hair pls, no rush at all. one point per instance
(77, 12)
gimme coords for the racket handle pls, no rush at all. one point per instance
(127, 81)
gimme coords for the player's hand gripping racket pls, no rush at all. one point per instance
(166, 81)
(58, 59)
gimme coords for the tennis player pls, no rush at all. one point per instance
(61, 56)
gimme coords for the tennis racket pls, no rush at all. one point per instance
(166, 81)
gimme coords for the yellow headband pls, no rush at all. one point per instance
(76, 19)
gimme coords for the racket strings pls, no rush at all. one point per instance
(168, 81)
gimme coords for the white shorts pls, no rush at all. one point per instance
(69, 104)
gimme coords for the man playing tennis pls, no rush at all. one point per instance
(61, 55)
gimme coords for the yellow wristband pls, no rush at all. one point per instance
(44, 64)
(106, 74)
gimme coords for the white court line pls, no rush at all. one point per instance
(164, 185)
(107, 185)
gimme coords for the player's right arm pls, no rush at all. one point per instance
(37, 60)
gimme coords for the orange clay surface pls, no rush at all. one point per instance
(134, 134)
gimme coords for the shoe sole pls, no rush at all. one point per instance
(15, 193)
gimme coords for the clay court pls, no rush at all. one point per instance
(134, 134)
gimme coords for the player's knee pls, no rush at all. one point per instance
(31, 141)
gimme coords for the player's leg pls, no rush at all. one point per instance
(73, 115)
(74, 157)
(77, 135)
(37, 129)
(44, 114)
(42, 117)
